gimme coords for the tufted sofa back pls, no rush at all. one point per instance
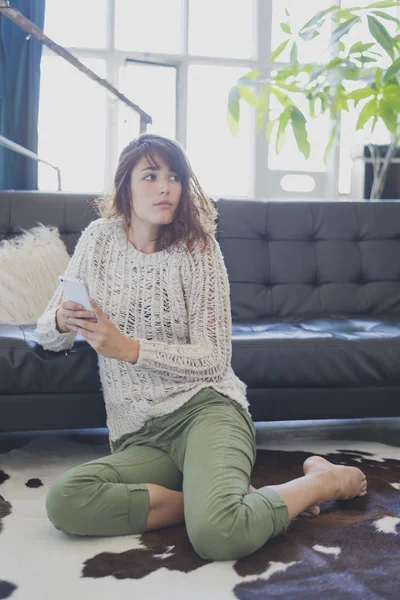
(70, 213)
(283, 257)
(318, 257)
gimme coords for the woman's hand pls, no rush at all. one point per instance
(103, 336)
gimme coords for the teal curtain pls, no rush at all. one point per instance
(20, 57)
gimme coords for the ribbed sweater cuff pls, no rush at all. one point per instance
(49, 337)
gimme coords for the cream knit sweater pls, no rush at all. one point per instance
(175, 303)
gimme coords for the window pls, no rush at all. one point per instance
(148, 26)
(76, 23)
(221, 28)
(221, 163)
(351, 141)
(300, 13)
(154, 87)
(72, 113)
(157, 54)
(177, 60)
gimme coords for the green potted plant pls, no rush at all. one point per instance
(352, 77)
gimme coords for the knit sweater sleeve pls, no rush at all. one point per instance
(208, 355)
(46, 332)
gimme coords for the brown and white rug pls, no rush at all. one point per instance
(352, 550)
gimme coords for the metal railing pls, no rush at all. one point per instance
(25, 152)
(34, 31)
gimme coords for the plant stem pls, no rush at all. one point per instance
(381, 169)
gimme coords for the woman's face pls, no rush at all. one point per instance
(149, 187)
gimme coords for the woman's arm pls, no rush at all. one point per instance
(208, 355)
(46, 332)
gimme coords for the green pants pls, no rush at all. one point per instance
(207, 449)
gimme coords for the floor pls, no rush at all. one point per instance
(384, 431)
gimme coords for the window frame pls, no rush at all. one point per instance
(264, 181)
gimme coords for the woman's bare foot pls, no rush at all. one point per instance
(349, 482)
(312, 511)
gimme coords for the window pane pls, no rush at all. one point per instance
(128, 126)
(300, 13)
(290, 158)
(76, 23)
(221, 28)
(148, 25)
(72, 118)
(351, 141)
(153, 88)
(361, 33)
(220, 161)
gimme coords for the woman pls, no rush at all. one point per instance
(182, 441)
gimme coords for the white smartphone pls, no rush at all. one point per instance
(76, 290)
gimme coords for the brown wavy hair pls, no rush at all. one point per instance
(195, 217)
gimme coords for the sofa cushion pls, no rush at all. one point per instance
(315, 351)
(26, 368)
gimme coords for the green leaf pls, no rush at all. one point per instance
(286, 27)
(391, 89)
(380, 33)
(308, 29)
(333, 63)
(342, 46)
(384, 15)
(293, 54)
(248, 95)
(287, 12)
(278, 50)
(378, 75)
(344, 13)
(263, 100)
(342, 30)
(281, 97)
(368, 111)
(360, 94)
(382, 4)
(388, 116)
(269, 129)
(291, 87)
(393, 101)
(233, 114)
(340, 102)
(248, 77)
(365, 59)
(283, 119)
(330, 142)
(352, 73)
(360, 47)
(392, 70)
(300, 132)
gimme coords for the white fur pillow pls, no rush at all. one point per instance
(29, 269)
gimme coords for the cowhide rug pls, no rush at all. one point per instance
(352, 550)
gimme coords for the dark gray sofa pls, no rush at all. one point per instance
(315, 295)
